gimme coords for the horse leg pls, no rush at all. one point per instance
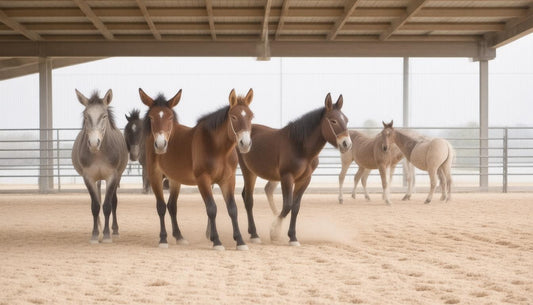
(342, 175)
(156, 181)
(409, 173)
(443, 186)
(433, 184)
(366, 173)
(287, 185)
(248, 198)
(356, 178)
(204, 186)
(114, 203)
(448, 175)
(173, 210)
(384, 183)
(146, 182)
(228, 192)
(299, 189)
(269, 191)
(111, 189)
(95, 208)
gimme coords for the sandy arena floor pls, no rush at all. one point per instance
(477, 249)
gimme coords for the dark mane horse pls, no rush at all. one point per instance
(99, 153)
(133, 133)
(202, 155)
(290, 155)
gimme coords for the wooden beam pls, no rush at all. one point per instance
(248, 48)
(17, 27)
(264, 32)
(210, 17)
(86, 9)
(514, 29)
(148, 18)
(453, 27)
(284, 13)
(412, 9)
(31, 66)
(471, 12)
(348, 11)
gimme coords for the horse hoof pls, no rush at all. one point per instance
(115, 235)
(406, 197)
(107, 241)
(341, 201)
(242, 248)
(163, 245)
(294, 243)
(275, 229)
(367, 198)
(353, 196)
(219, 248)
(427, 201)
(182, 242)
(93, 241)
(255, 240)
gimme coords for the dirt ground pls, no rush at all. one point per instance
(476, 249)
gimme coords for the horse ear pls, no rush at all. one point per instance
(329, 102)
(127, 117)
(233, 98)
(249, 97)
(384, 125)
(391, 122)
(108, 97)
(338, 104)
(83, 100)
(148, 101)
(175, 100)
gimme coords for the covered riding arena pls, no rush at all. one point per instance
(475, 249)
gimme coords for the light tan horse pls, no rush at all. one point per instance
(432, 155)
(373, 153)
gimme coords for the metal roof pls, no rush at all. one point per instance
(101, 28)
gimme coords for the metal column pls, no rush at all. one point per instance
(46, 174)
(405, 112)
(483, 124)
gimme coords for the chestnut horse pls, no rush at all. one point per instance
(432, 155)
(202, 155)
(290, 155)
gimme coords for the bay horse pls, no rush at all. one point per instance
(99, 153)
(133, 133)
(290, 155)
(201, 155)
(432, 155)
(373, 153)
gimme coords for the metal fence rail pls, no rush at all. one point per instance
(509, 155)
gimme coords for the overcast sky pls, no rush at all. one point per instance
(444, 92)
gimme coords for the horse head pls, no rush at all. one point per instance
(133, 134)
(387, 136)
(95, 117)
(334, 125)
(240, 120)
(161, 118)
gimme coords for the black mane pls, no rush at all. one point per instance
(161, 101)
(301, 128)
(135, 114)
(214, 119)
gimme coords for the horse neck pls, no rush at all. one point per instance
(220, 137)
(314, 143)
(405, 143)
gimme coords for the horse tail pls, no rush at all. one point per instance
(450, 159)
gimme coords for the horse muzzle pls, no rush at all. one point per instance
(344, 143)
(244, 142)
(160, 144)
(94, 142)
(134, 152)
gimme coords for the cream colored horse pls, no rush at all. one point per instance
(373, 153)
(432, 155)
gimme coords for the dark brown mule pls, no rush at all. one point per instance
(202, 155)
(133, 133)
(290, 155)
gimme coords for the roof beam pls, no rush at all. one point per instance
(149, 21)
(31, 65)
(514, 29)
(412, 9)
(348, 11)
(17, 27)
(264, 32)
(210, 17)
(86, 9)
(284, 13)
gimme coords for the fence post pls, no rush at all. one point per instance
(505, 159)
(58, 162)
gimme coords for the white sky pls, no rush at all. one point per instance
(444, 91)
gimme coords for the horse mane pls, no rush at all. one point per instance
(160, 101)
(95, 99)
(135, 114)
(216, 118)
(301, 128)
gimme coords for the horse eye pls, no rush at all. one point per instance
(334, 122)
(234, 118)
